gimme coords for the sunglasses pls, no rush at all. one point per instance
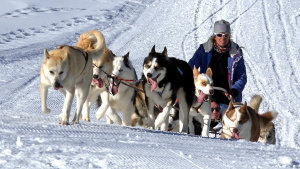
(217, 109)
(222, 34)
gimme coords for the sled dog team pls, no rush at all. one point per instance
(91, 72)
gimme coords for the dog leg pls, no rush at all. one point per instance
(206, 125)
(92, 97)
(184, 111)
(151, 116)
(127, 115)
(108, 120)
(165, 125)
(44, 96)
(67, 107)
(113, 115)
(162, 117)
(105, 104)
(82, 92)
(191, 125)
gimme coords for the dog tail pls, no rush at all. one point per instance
(266, 118)
(255, 102)
(86, 41)
(98, 50)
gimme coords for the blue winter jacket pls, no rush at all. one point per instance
(237, 77)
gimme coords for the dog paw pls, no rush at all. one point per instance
(64, 122)
(75, 122)
(98, 117)
(86, 119)
(150, 127)
(157, 124)
(46, 111)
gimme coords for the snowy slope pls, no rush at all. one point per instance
(269, 31)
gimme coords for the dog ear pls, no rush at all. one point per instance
(195, 72)
(152, 50)
(126, 57)
(209, 72)
(244, 107)
(230, 106)
(46, 54)
(165, 52)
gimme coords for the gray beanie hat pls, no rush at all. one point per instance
(222, 26)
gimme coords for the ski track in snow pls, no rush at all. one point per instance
(20, 101)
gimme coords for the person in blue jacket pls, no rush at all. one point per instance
(225, 58)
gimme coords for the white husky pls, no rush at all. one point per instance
(201, 109)
(69, 70)
(122, 96)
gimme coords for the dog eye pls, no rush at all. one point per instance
(61, 72)
(157, 68)
(51, 72)
(121, 70)
(269, 136)
(204, 83)
(147, 66)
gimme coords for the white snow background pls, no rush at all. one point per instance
(269, 31)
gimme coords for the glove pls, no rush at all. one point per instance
(232, 92)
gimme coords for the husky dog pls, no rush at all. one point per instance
(122, 95)
(69, 70)
(201, 109)
(99, 85)
(102, 66)
(166, 79)
(267, 134)
(243, 122)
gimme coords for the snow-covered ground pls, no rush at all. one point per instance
(269, 31)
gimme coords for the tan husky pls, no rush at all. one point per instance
(69, 70)
(102, 64)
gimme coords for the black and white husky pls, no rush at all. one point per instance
(166, 79)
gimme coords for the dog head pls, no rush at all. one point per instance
(122, 70)
(153, 67)
(234, 118)
(100, 66)
(203, 84)
(56, 66)
(267, 134)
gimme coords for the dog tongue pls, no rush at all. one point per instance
(114, 90)
(57, 88)
(153, 83)
(98, 82)
(235, 136)
(201, 96)
(159, 107)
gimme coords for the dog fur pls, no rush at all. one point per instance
(87, 42)
(166, 79)
(243, 122)
(267, 134)
(201, 109)
(69, 70)
(102, 63)
(122, 98)
(140, 115)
